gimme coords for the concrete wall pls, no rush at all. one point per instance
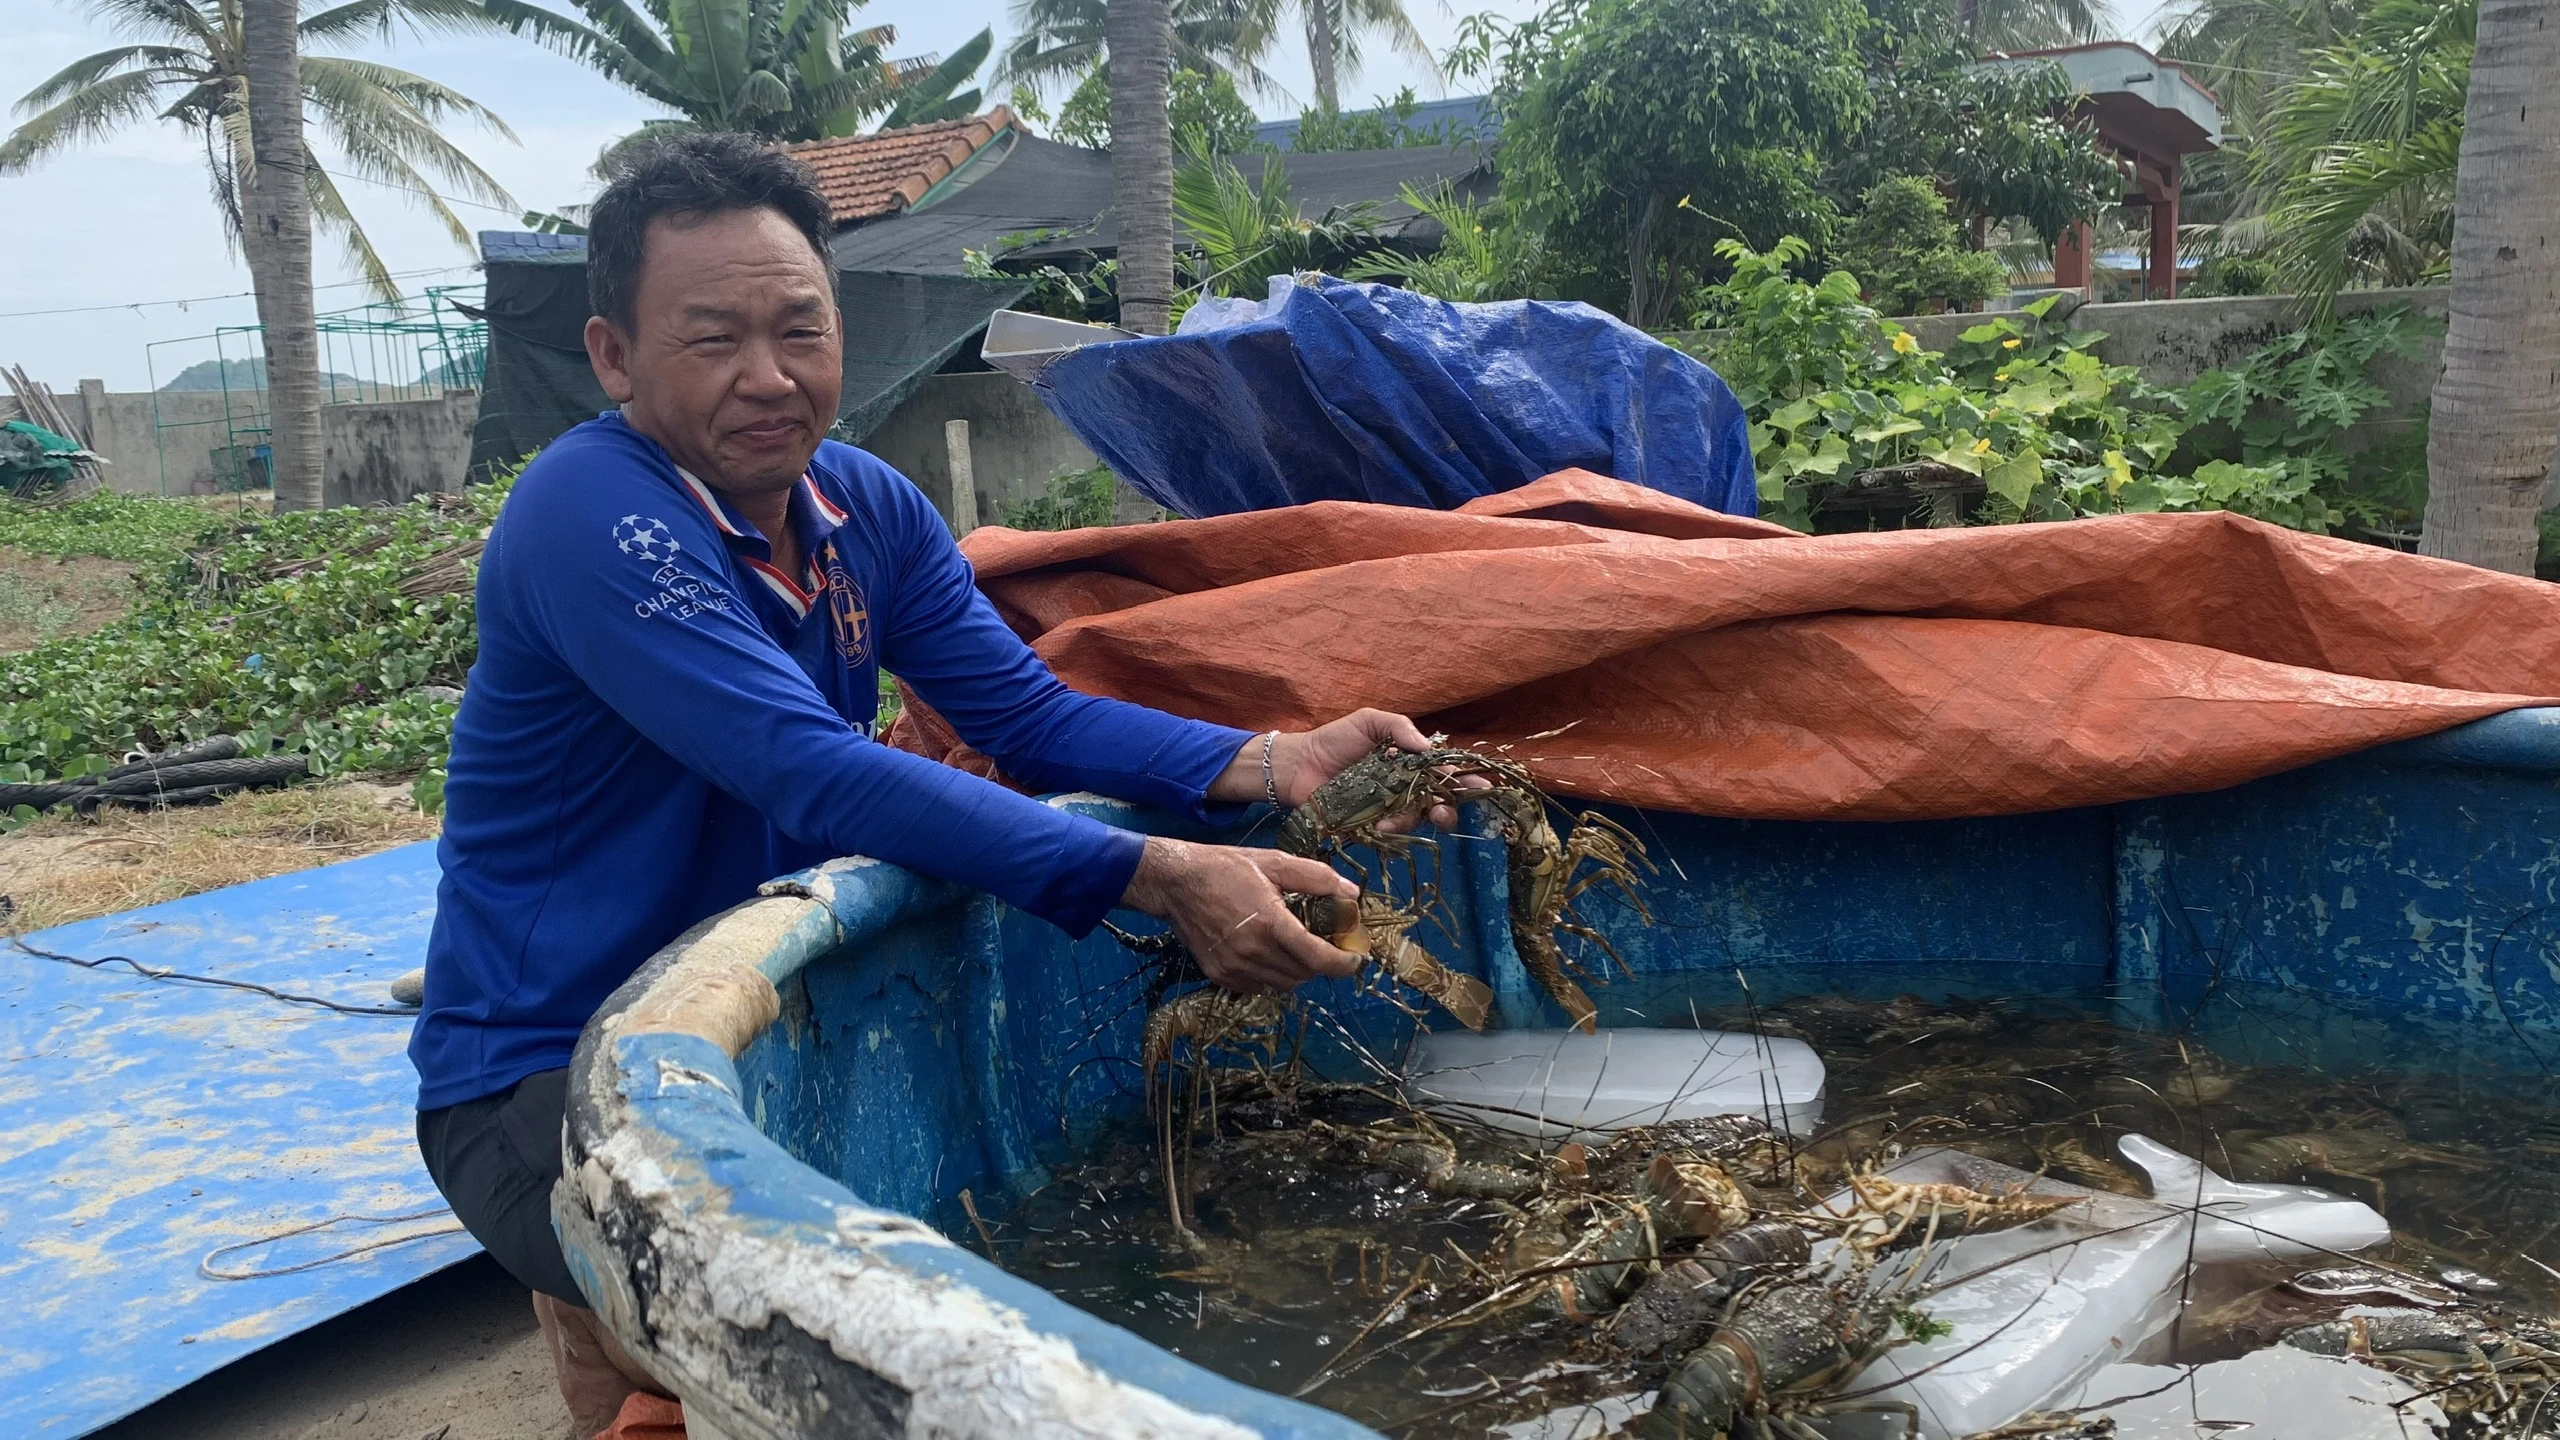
(2173, 341)
(167, 450)
(1016, 446)
(385, 451)
(379, 452)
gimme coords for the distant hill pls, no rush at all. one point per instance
(249, 373)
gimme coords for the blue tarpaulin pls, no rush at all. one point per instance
(1332, 390)
(157, 1134)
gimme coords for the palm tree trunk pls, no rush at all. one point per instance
(2497, 403)
(1648, 219)
(1321, 55)
(1140, 34)
(277, 241)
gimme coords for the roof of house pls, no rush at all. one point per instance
(867, 176)
(2171, 110)
(1058, 198)
(529, 247)
(1458, 118)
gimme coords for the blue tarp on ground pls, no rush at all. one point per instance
(1332, 390)
(145, 1124)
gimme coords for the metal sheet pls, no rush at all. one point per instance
(145, 1123)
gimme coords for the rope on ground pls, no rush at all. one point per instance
(205, 1268)
(162, 972)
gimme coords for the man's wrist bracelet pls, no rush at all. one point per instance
(1270, 782)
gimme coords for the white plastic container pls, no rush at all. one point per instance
(1022, 345)
(2245, 1221)
(1563, 1084)
(2057, 1301)
(2278, 1391)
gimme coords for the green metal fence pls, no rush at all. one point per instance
(412, 348)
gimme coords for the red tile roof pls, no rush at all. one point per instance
(865, 176)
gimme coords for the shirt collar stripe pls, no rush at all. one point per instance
(710, 502)
(780, 584)
(826, 508)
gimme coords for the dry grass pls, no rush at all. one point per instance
(63, 869)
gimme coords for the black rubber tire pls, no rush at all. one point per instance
(216, 747)
(42, 797)
(249, 772)
(89, 803)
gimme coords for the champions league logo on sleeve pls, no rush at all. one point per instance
(646, 539)
(683, 596)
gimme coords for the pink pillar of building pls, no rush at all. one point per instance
(2071, 257)
(2164, 243)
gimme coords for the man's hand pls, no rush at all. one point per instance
(1224, 901)
(1302, 761)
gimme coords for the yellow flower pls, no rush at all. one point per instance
(1982, 447)
(2010, 344)
(1904, 344)
(2003, 375)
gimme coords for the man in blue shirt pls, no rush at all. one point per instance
(684, 611)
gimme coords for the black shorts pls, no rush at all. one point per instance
(495, 1159)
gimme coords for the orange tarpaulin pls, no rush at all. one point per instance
(1632, 647)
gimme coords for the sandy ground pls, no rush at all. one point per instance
(42, 598)
(453, 1357)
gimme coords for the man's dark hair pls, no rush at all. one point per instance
(692, 175)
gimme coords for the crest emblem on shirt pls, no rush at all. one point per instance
(849, 618)
(646, 539)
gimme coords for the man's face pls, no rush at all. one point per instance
(734, 357)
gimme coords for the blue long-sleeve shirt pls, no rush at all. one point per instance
(660, 719)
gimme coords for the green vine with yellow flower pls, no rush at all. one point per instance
(1854, 423)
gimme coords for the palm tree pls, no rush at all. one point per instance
(1334, 28)
(1059, 39)
(2248, 51)
(191, 67)
(1140, 34)
(2497, 402)
(785, 71)
(279, 220)
(2359, 156)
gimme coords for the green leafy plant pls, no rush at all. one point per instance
(1077, 500)
(1387, 125)
(118, 527)
(1246, 230)
(1206, 111)
(1851, 418)
(2291, 406)
(1090, 291)
(1641, 133)
(2002, 140)
(1484, 253)
(318, 632)
(1904, 247)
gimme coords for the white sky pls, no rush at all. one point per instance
(131, 219)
